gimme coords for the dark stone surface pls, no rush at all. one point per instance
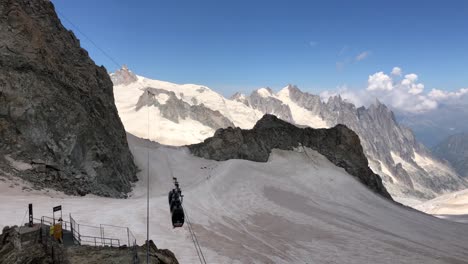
(57, 106)
(339, 144)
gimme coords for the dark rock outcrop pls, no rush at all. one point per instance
(57, 110)
(339, 144)
(18, 249)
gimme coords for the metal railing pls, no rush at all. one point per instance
(50, 221)
(99, 241)
(134, 247)
(88, 235)
(75, 230)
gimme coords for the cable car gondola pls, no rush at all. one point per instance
(175, 198)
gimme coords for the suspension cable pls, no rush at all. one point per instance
(147, 183)
(193, 235)
(200, 254)
(90, 40)
(189, 224)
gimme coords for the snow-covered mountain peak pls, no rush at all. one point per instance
(123, 76)
(240, 97)
(284, 91)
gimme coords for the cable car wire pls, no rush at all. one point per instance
(189, 224)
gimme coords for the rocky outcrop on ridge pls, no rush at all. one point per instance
(59, 126)
(339, 144)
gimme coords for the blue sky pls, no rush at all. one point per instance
(241, 45)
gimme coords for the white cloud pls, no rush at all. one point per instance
(404, 94)
(409, 83)
(379, 81)
(396, 71)
(440, 95)
(363, 55)
(346, 94)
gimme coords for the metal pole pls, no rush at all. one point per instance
(128, 236)
(147, 187)
(71, 229)
(30, 215)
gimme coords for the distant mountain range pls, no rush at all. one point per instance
(434, 126)
(455, 150)
(189, 113)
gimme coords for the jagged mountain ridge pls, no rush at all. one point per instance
(59, 127)
(406, 166)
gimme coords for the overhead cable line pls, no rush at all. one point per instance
(91, 41)
(191, 231)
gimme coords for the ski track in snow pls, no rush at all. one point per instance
(289, 210)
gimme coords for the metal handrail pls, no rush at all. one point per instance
(74, 227)
(104, 241)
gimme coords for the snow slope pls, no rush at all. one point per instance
(452, 206)
(449, 204)
(292, 209)
(300, 115)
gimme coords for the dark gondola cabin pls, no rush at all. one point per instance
(175, 205)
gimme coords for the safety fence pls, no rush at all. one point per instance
(83, 234)
(104, 235)
(91, 235)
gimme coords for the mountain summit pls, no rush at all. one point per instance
(123, 76)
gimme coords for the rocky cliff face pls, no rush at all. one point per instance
(339, 144)
(59, 127)
(454, 149)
